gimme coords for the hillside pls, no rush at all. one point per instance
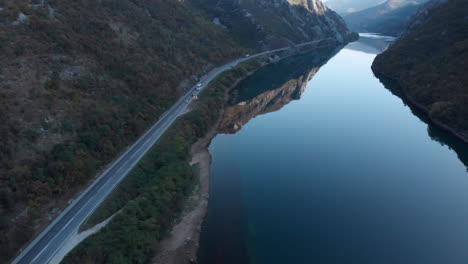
(276, 23)
(80, 80)
(350, 6)
(429, 63)
(388, 18)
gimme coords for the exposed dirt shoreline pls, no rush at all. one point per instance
(182, 244)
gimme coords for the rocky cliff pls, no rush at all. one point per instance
(429, 63)
(276, 23)
(349, 6)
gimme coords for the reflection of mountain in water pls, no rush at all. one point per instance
(435, 132)
(370, 43)
(271, 88)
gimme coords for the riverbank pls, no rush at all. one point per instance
(156, 220)
(181, 245)
(412, 102)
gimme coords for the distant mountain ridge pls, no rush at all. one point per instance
(388, 18)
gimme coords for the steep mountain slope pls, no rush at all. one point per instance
(430, 61)
(420, 17)
(388, 18)
(274, 23)
(80, 80)
(350, 6)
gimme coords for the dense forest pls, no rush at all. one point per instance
(429, 63)
(79, 81)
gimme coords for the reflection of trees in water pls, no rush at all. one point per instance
(436, 133)
(271, 88)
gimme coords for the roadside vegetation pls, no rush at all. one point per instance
(152, 195)
(80, 81)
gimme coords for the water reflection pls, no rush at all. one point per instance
(269, 89)
(436, 133)
(371, 43)
(375, 44)
(345, 175)
(265, 92)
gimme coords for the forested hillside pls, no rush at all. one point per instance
(430, 61)
(276, 23)
(80, 80)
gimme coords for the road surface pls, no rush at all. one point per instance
(47, 244)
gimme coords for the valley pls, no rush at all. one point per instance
(252, 131)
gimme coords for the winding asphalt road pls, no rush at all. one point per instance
(46, 245)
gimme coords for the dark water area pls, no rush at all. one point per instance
(321, 162)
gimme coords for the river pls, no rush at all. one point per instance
(317, 161)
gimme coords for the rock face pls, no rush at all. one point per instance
(388, 18)
(429, 62)
(276, 23)
(265, 95)
(350, 6)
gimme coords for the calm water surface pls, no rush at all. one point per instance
(333, 170)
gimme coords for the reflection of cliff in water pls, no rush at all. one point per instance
(372, 44)
(271, 88)
(436, 133)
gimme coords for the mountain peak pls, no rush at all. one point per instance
(277, 23)
(312, 5)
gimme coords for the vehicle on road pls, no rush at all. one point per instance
(247, 55)
(199, 84)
